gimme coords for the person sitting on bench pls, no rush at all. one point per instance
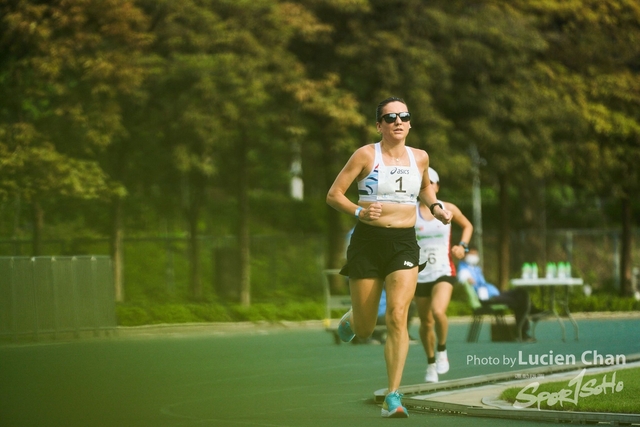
(516, 299)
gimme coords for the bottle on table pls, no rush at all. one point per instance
(551, 270)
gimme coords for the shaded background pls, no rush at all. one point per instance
(194, 141)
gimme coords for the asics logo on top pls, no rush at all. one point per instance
(400, 171)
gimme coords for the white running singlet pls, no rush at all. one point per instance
(391, 184)
(434, 239)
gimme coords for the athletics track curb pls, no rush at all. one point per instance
(264, 326)
(478, 396)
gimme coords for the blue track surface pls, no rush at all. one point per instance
(272, 377)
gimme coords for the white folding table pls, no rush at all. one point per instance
(550, 311)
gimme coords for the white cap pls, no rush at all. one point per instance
(433, 176)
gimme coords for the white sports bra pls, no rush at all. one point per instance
(392, 184)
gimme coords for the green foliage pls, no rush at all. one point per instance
(129, 314)
(291, 311)
(170, 313)
(161, 117)
(602, 302)
(301, 311)
(65, 70)
(286, 268)
(136, 314)
(296, 308)
(254, 313)
(459, 308)
(210, 312)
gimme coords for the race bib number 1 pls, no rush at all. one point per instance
(393, 183)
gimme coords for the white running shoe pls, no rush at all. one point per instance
(442, 362)
(432, 373)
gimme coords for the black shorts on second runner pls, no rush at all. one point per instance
(378, 251)
(425, 289)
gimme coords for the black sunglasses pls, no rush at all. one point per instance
(391, 117)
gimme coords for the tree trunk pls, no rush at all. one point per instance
(118, 169)
(116, 248)
(505, 229)
(626, 288)
(38, 225)
(336, 244)
(337, 240)
(336, 250)
(243, 223)
(194, 204)
(532, 245)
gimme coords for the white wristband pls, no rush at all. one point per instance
(358, 209)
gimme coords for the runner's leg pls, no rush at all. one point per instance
(400, 286)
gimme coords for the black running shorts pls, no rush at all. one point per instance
(377, 251)
(425, 289)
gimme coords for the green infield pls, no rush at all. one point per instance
(613, 391)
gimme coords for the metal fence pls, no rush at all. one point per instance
(156, 269)
(55, 296)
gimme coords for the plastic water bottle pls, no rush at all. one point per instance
(551, 270)
(567, 269)
(562, 270)
(526, 270)
(534, 270)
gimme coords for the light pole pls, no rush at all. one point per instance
(476, 162)
(297, 184)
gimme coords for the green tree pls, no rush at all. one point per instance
(374, 50)
(223, 94)
(499, 99)
(594, 46)
(63, 67)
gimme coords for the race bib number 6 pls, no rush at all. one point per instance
(432, 255)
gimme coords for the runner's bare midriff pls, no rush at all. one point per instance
(394, 215)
